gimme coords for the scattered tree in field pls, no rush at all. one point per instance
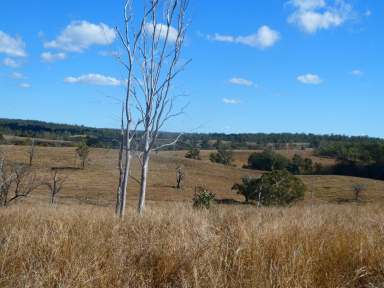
(55, 185)
(358, 189)
(222, 156)
(300, 165)
(203, 198)
(193, 153)
(153, 49)
(248, 188)
(83, 153)
(180, 175)
(31, 152)
(267, 161)
(280, 188)
(2, 139)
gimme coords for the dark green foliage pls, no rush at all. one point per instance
(279, 188)
(203, 198)
(222, 156)
(267, 161)
(362, 159)
(247, 188)
(193, 153)
(300, 165)
(101, 137)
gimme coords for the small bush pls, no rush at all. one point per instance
(193, 153)
(222, 156)
(279, 188)
(203, 198)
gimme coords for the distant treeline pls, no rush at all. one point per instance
(361, 159)
(107, 138)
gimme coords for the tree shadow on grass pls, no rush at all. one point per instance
(232, 202)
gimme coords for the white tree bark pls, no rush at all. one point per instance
(153, 52)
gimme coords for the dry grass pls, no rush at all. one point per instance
(176, 246)
(79, 245)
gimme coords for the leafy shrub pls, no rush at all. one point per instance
(300, 165)
(268, 161)
(203, 198)
(247, 188)
(280, 188)
(193, 153)
(222, 156)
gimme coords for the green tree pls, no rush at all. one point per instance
(268, 161)
(279, 188)
(248, 188)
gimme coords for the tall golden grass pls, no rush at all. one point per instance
(177, 246)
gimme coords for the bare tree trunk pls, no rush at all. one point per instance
(32, 152)
(144, 171)
(122, 197)
(143, 182)
(53, 192)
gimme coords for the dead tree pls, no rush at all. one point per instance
(17, 178)
(358, 189)
(55, 185)
(129, 40)
(31, 152)
(179, 177)
(159, 41)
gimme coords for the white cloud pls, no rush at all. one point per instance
(80, 35)
(265, 37)
(314, 15)
(161, 31)
(94, 79)
(241, 82)
(308, 4)
(231, 101)
(12, 46)
(357, 72)
(368, 13)
(110, 53)
(309, 79)
(9, 62)
(17, 75)
(25, 85)
(52, 57)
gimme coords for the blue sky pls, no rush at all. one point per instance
(257, 66)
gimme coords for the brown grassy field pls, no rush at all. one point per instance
(82, 244)
(97, 183)
(174, 245)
